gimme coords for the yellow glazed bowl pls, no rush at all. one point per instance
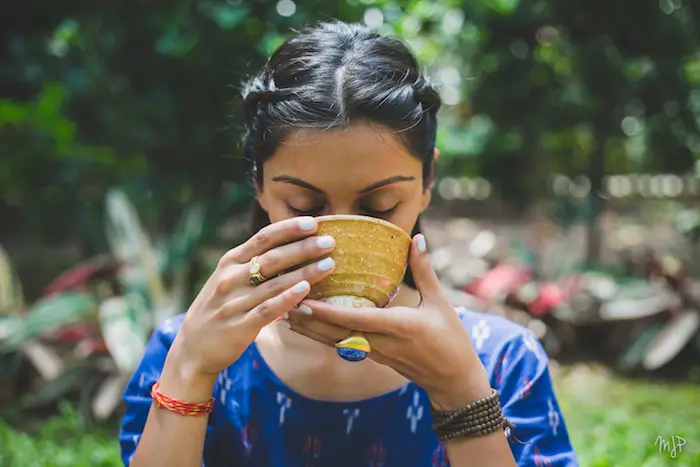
(371, 256)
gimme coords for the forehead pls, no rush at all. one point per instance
(356, 155)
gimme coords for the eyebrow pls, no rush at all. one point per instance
(301, 183)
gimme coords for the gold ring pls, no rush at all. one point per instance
(256, 277)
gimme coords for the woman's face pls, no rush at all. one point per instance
(362, 169)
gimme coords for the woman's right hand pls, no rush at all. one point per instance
(229, 312)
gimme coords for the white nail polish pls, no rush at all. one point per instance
(324, 242)
(285, 316)
(421, 243)
(304, 309)
(307, 223)
(302, 286)
(285, 324)
(326, 264)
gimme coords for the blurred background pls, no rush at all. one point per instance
(567, 197)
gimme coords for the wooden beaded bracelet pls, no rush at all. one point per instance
(479, 418)
(180, 407)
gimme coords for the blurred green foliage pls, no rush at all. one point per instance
(612, 423)
(58, 442)
(616, 422)
(98, 94)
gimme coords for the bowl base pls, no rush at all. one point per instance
(351, 355)
(349, 300)
(355, 347)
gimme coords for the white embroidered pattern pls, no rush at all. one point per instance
(553, 416)
(135, 439)
(145, 382)
(168, 327)
(226, 385)
(415, 412)
(480, 333)
(531, 343)
(351, 416)
(285, 403)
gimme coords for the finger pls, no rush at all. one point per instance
(219, 284)
(286, 257)
(423, 273)
(376, 354)
(311, 273)
(376, 341)
(381, 320)
(397, 365)
(271, 236)
(226, 282)
(232, 276)
(272, 308)
(387, 348)
(305, 320)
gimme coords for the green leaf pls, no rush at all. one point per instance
(50, 314)
(59, 388)
(504, 7)
(10, 290)
(51, 100)
(637, 69)
(465, 140)
(633, 355)
(226, 16)
(13, 112)
(691, 70)
(176, 42)
(186, 237)
(270, 42)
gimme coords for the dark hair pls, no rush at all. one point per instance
(329, 76)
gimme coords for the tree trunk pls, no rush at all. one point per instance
(596, 172)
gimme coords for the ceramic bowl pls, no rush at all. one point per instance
(371, 257)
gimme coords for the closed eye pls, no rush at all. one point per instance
(381, 214)
(364, 209)
(302, 212)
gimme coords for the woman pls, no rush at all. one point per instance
(340, 120)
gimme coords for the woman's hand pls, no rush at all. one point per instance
(229, 312)
(427, 344)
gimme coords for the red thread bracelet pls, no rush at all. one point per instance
(178, 406)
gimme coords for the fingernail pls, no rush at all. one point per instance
(285, 324)
(302, 286)
(285, 316)
(422, 247)
(305, 309)
(307, 223)
(324, 242)
(325, 265)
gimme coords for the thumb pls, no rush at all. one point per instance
(423, 273)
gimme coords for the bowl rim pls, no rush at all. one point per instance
(368, 219)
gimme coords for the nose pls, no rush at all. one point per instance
(342, 209)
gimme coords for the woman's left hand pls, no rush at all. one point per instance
(428, 344)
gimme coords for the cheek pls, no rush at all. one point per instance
(275, 208)
(278, 212)
(406, 218)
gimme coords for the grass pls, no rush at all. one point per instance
(615, 422)
(60, 441)
(612, 422)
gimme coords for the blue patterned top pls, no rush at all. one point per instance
(259, 422)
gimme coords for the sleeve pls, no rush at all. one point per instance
(137, 395)
(521, 375)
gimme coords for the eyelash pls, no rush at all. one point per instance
(369, 212)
